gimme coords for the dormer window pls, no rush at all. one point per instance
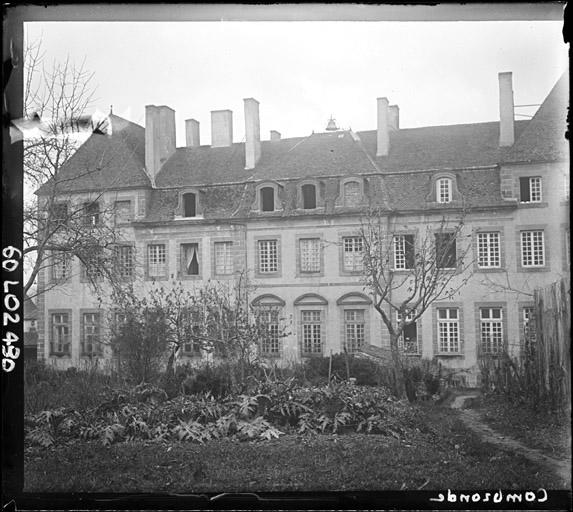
(267, 199)
(352, 193)
(444, 190)
(189, 205)
(308, 197)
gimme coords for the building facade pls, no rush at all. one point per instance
(289, 212)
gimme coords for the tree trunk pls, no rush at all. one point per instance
(400, 383)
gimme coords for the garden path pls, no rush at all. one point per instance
(472, 420)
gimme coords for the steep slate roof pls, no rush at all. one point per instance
(544, 138)
(319, 154)
(104, 162)
(440, 147)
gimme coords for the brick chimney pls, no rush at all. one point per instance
(506, 113)
(159, 137)
(382, 138)
(252, 133)
(394, 117)
(192, 134)
(221, 128)
(275, 135)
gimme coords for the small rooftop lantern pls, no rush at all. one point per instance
(331, 126)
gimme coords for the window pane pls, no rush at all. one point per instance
(190, 259)
(351, 193)
(488, 245)
(445, 250)
(309, 254)
(444, 190)
(156, 262)
(267, 199)
(532, 249)
(268, 256)
(189, 205)
(122, 211)
(353, 253)
(223, 258)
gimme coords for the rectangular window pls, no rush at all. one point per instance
(532, 249)
(156, 260)
(353, 248)
(489, 253)
(123, 212)
(404, 255)
(529, 330)
(190, 324)
(409, 338)
(309, 254)
(60, 342)
(444, 190)
(190, 264)
(94, 265)
(446, 250)
(270, 339)
(268, 256)
(448, 330)
(124, 255)
(91, 217)
(354, 329)
(59, 213)
(223, 258)
(530, 189)
(491, 330)
(311, 332)
(90, 334)
(60, 266)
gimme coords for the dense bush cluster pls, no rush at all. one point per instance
(145, 413)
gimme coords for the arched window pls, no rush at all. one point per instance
(352, 193)
(308, 197)
(267, 199)
(189, 205)
(444, 190)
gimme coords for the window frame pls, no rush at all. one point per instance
(492, 326)
(258, 242)
(215, 245)
(401, 340)
(148, 246)
(64, 259)
(120, 266)
(67, 346)
(532, 189)
(360, 183)
(118, 220)
(438, 346)
(92, 218)
(181, 269)
(522, 252)
(412, 246)
(360, 329)
(455, 249)
(344, 270)
(479, 248)
(301, 272)
(98, 350)
(449, 189)
(303, 198)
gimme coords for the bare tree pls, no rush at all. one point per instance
(58, 227)
(406, 274)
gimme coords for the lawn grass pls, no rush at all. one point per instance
(543, 430)
(446, 455)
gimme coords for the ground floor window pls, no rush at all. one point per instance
(408, 341)
(270, 335)
(354, 330)
(529, 330)
(91, 345)
(312, 332)
(60, 333)
(491, 330)
(448, 330)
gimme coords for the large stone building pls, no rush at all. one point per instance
(290, 211)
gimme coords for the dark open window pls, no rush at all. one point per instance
(189, 205)
(308, 197)
(445, 250)
(190, 259)
(59, 213)
(267, 199)
(91, 214)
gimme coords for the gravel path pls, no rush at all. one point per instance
(472, 420)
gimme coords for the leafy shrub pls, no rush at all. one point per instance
(365, 372)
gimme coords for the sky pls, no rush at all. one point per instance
(303, 72)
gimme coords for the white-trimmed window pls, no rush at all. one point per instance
(491, 330)
(90, 334)
(60, 265)
(60, 330)
(532, 248)
(309, 250)
(448, 330)
(353, 253)
(404, 252)
(529, 329)
(312, 332)
(408, 340)
(354, 329)
(124, 255)
(190, 261)
(270, 339)
(530, 189)
(156, 260)
(223, 258)
(123, 212)
(444, 190)
(268, 256)
(489, 250)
